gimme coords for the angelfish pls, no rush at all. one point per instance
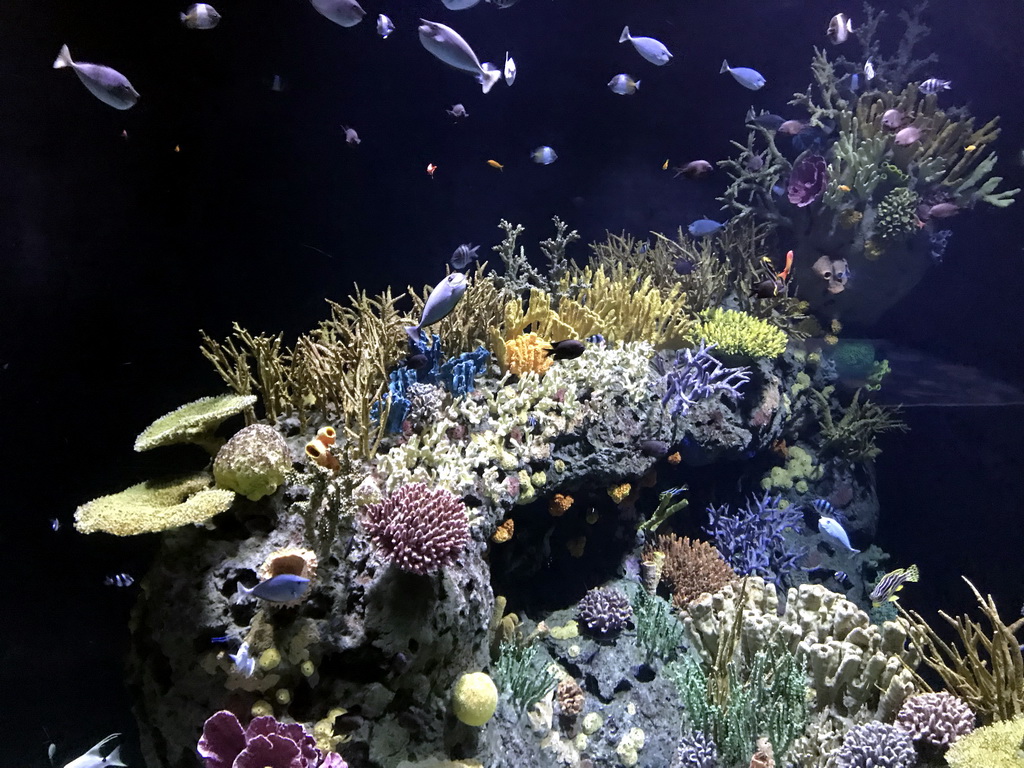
(200, 16)
(839, 28)
(447, 45)
(440, 303)
(106, 84)
(831, 527)
(94, 757)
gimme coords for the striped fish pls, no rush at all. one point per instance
(887, 587)
(823, 508)
(119, 580)
(934, 85)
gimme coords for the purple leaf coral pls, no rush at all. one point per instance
(264, 743)
(807, 180)
(695, 375)
(417, 528)
(605, 611)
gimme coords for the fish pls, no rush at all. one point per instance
(447, 45)
(543, 155)
(278, 84)
(94, 757)
(683, 265)
(792, 127)
(502, 3)
(832, 528)
(745, 76)
(970, 147)
(933, 85)
(283, 588)
(855, 82)
(106, 84)
(459, 5)
(346, 13)
(664, 166)
(417, 361)
(200, 16)
(823, 507)
(766, 120)
(624, 85)
(655, 448)
(457, 111)
(442, 300)
(907, 136)
(768, 288)
(54, 524)
(243, 662)
(942, 211)
(784, 274)
(869, 70)
(567, 349)
(652, 50)
(351, 137)
(844, 188)
(385, 26)
(704, 227)
(430, 169)
(886, 589)
(496, 164)
(510, 69)
(839, 29)
(119, 580)
(892, 119)
(694, 169)
(51, 752)
(463, 256)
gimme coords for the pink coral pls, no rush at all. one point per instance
(418, 529)
(265, 743)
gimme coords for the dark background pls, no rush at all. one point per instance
(114, 251)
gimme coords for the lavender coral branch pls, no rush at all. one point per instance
(696, 375)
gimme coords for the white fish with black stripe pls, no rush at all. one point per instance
(933, 85)
(200, 16)
(119, 580)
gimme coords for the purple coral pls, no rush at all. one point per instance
(417, 528)
(876, 745)
(752, 539)
(605, 611)
(936, 719)
(696, 751)
(807, 180)
(265, 743)
(695, 375)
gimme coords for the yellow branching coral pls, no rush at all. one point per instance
(737, 333)
(154, 506)
(193, 422)
(527, 353)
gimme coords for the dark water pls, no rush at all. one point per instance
(114, 251)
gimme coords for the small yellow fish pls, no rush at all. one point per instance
(664, 166)
(844, 188)
(970, 147)
(496, 164)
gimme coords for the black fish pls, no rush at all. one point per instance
(566, 349)
(766, 289)
(417, 362)
(655, 448)
(683, 266)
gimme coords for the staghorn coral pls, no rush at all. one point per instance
(418, 529)
(194, 422)
(253, 463)
(692, 568)
(155, 505)
(527, 353)
(999, 745)
(695, 375)
(740, 334)
(604, 611)
(658, 631)
(876, 745)
(936, 719)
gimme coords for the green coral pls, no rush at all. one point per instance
(1000, 745)
(253, 462)
(853, 359)
(193, 422)
(896, 214)
(737, 333)
(853, 437)
(658, 631)
(519, 674)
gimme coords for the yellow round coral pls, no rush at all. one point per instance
(528, 352)
(994, 746)
(474, 698)
(737, 333)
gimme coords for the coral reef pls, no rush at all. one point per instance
(994, 746)
(193, 422)
(936, 719)
(876, 745)
(253, 463)
(605, 611)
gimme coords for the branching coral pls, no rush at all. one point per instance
(986, 668)
(876, 745)
(740, 334)
(604, 611)
(528, 352)
(935, 719)
(691, 568)
(696, 375)
(658, 631)
(853, 437)
(520, 275)
(896, 214)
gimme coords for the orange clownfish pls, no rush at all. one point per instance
(784, 274)
(430, 169)
(496, 164)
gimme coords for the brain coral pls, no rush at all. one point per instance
(417, 528)
(253, 462)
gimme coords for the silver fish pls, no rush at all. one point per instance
(907, 136)
(869, 70)
(623, 85)
(440, 303)
(832, 528)
(283, 588)
(457, 111)
(200, 16)
(934, 85)
(544, 155)
(119, 580)
(510, 69)
(447, 45)
(745, 76)
(54, 524)
(652, 50)
(839, 29)
(106, 84)
(464, 255)
(346, 13)
(384, 26)
(502, 3)
(94, 758)
(243, 661)
(351, 137)
(459, 5)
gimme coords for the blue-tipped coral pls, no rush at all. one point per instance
(696, 375)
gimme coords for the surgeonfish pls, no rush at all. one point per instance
(351, 137)
(652, 50)
(839, 29)
(567, 349)
(544, 155)
(346, 13)
(832, 528)
(457, 111)
(119, 580)
(447, 45)
(106, 84)
(384, 26)
(464, 255)
(745, 76)
(440, 303)
(510, 69)
(243, 661)
(694, 169)
(94, 757)
(459, 5)
(623, 85)
(283, 588)
(766, 120)
(934, 85)
(886, 589)
(704, 227)
(200, 16)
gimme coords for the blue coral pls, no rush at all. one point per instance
(876, 745)
(752, 539)
(695, 375)
(458, 374)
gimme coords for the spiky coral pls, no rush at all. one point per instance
(695, 375)
(528, 352)
(737, 333)
(853, 437)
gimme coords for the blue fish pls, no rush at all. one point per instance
(745, 76)
(704, 227)
(831, 527)
(283, 588)
(440, 303)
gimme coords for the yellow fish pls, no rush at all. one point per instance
(844, 188)
(496, 164)
(664, 166)
(970, 147)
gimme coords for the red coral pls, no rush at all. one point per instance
(418, 529)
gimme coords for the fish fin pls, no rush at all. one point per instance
(725, 66)
(854, 551)
(849, 25)
(63, 58)
(114, 758)
(183, 16)
(489, 76)
(625, 35)
(413, 331)
(637, 85)
(913, 574)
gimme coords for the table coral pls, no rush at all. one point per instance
(193, 422)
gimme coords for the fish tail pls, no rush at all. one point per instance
(63, 58)
(625, 35)
(725, 66)
(114, 758)
(913, 574)
(489, 76)
(849, 25)
(241, 591)
(183, 16)
(637, 85)
(413, 331)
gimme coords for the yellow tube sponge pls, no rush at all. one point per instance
(154, 506)
(193, 422)
(474, 698)
(994, 746)
(737, 333)
(528, 352)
